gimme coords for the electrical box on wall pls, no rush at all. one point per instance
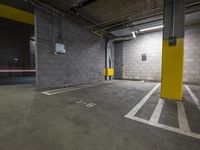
(172, 41)
(60, 48)
(144, 57)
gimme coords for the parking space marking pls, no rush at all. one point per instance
(157, 112)
(142, 102)
(182, 118)
(63, 90)
(195, 99)
(183, 129)
(165, 127)
(87, 104)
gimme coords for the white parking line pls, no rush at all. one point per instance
(154, 120)
(165, 127)
(195, 99)
(63, 90)
(133, 112)
(157, 112)
(176, 130)
(182, 118)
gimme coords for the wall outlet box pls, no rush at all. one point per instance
(60, 48)
(172, 41)
(144, 57)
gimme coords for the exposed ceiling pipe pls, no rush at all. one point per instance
(81, 5)
(47, 8)
(125, 16)
(108, 59)
(139, 13)
(76, 10)
(52, 10)
(193, 4)
(126, 22)
(122, 23)
(191, 19)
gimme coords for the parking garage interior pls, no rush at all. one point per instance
(99, 74)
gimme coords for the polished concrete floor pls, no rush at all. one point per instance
(92, 118)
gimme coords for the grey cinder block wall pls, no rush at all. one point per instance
(128, 57)
(83, 62)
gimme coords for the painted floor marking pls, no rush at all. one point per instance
(195, 99)
(157, 112)
(182, 118)
(142, 102)
(154, 120)
(90, 105)
(165, 127)
(63, 90)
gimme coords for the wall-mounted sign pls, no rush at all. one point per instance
(144, 57)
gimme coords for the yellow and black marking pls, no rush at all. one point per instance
(108, 72)
(18, 15)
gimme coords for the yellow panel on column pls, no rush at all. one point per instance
(172, 70)
(109, 72)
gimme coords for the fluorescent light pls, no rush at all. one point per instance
(152, 28)
(134, 35)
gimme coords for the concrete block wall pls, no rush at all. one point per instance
(192, 55)
(128, 57)
(83, 62)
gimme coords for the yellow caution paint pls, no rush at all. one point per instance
(172, 70)
(109, 72)
(16, 14)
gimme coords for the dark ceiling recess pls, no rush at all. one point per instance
(80, 5)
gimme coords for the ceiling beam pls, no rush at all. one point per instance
(18, 15)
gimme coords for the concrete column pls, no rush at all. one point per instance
(173, 49)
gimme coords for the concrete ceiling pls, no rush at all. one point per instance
(107, 10)
(102, 16)
(106, 15)
(110, 9)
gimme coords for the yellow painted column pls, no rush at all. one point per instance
(173, 50)
(172, 70)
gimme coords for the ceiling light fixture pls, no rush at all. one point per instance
(152, 28)
(133, 34)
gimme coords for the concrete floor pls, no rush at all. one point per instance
(30, 120)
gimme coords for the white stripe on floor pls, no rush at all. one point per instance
(169, 128)
(195, 99)
(182, 118)
(63, 90)
(133, 112)
(176, 130)
(157, 112)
